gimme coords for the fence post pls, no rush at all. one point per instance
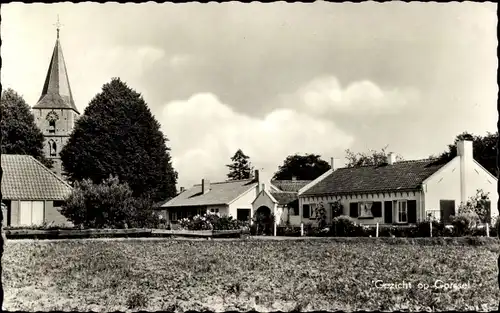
(487, 229)
(275, 230)
(430, 223)
(301, 229)
(376, 233)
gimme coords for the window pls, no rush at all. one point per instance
(295, 210)
(52, 127)
(306, 211)
(52, 148)
(216, 211)
(365, 209)
(243, 214)
(402, 211)
(172, 216)
(31, 213)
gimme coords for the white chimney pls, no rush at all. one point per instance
(294, 178)
(391, 158)
(334, 164)
(205, 186)
(464, 151)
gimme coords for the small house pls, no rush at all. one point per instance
(31, 193)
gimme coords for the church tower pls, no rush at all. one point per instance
(55, 112)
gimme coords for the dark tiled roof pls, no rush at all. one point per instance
(290, 185)
(24, 178)
(285, 197)
(404, 175)
(56, 93)
(220, 193)
(288, 190)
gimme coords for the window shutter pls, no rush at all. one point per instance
(388, 212)
(412, 211)
(377, 209)
(305, 211)
(353, 209)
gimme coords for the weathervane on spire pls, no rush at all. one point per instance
(58, 26)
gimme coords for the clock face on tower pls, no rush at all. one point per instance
(52, 116)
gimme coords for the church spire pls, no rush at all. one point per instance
(58, 26)
(56, 93)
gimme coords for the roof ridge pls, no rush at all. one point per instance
(227, 181)
(397, 162)
(48, 170)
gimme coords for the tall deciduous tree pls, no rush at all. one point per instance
(20, 135)
(302, 167)
(484, 150)
(117, 135)
(240, 168)
(373, 157)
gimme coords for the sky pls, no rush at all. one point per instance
(273, 79)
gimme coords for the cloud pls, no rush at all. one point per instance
(179, 60)
(325, 95)
(204, 133)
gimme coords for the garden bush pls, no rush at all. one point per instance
(108, 205)
(288, 231)
(212, 222)
(464, 224)
(343, 226)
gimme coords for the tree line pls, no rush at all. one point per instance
(117, 144)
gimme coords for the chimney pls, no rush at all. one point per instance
(256, 176)
(205, 186)
(464, 151)
(181, 189)
(334, 164)
(294, 178)
(391, 158)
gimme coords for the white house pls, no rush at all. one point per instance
(400, 192)
(242, 199)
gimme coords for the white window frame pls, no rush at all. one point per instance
(400, 205)
(365, 209)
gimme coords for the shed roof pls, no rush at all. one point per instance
(25, 178)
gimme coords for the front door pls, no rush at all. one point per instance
(447, 208)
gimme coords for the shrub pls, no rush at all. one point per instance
(478, 204)
(320, 214)
(288, 231)
(141, 213)
(439, 229)
(107, 205)
(343, 226)
(212, 222)
(463, 224)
